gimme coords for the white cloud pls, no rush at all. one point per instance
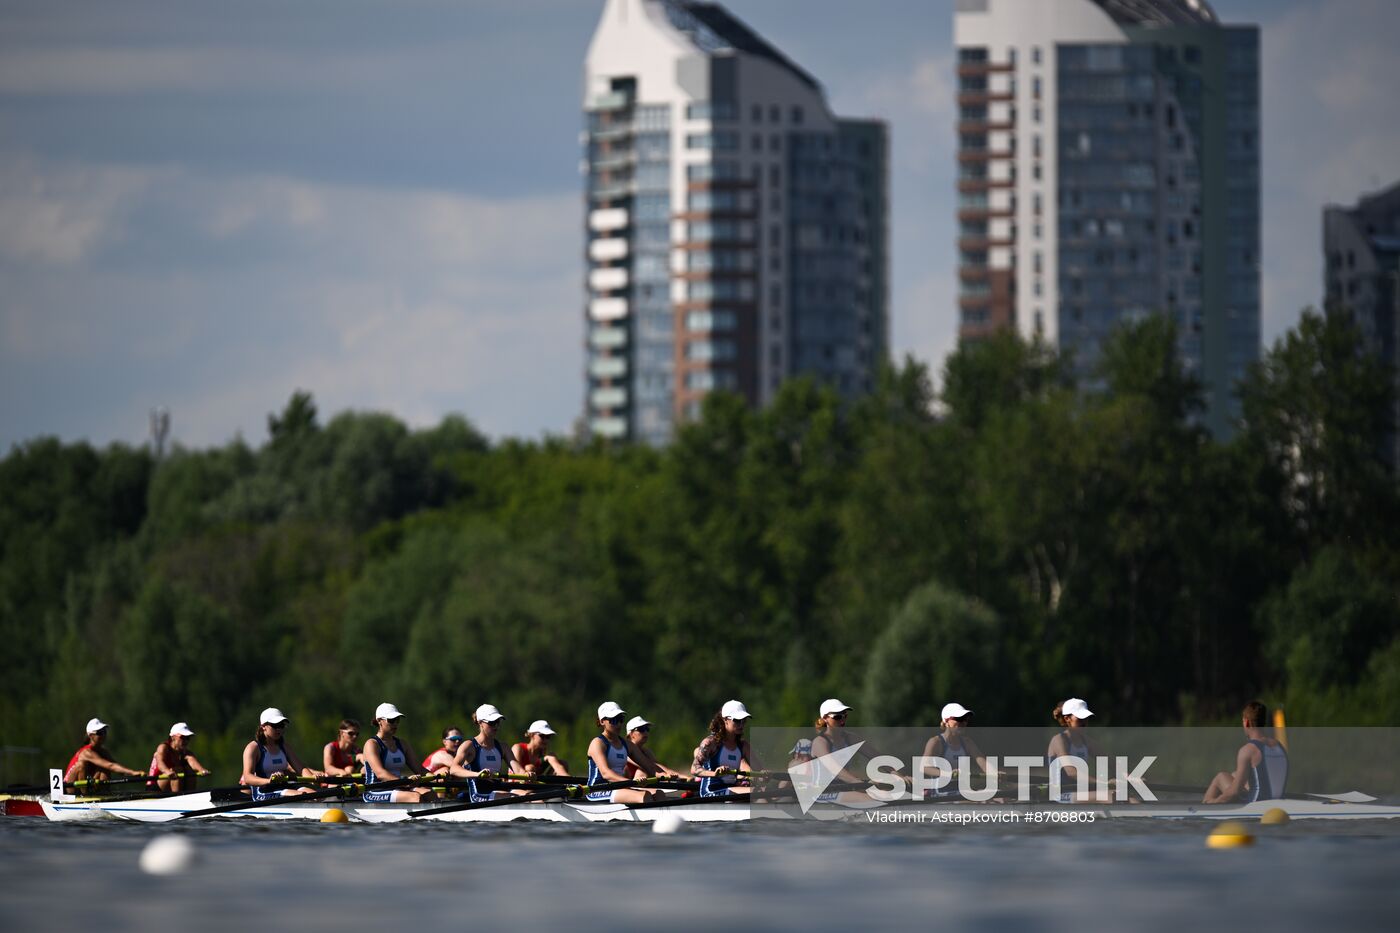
(418, 303)
(58, 215)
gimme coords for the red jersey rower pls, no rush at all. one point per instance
(173, 766)
(91, 762)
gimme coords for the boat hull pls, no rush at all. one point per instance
(166, 809)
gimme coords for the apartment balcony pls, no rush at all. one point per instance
(982, 243)
(985, 126)
(985, 155)
(969, 185)
(603, 219)
(608, 279)
(984, 213)
(974, 69)
(974, 98)
(608, 249)
(607, 309)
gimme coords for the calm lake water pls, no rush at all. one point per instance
(266, 876)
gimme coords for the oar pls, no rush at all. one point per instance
(142, 779)
(340, 791)
(572, 790)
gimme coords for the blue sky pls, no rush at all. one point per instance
(207, 206)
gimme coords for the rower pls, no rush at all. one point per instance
(267, 760)
(646, 762)
(1261, 764)
(534, 755)
(954, 746)
(387, 758)
(442, 758)
(484, 755)
(342, 756)
(723, 752)
(608, 755)
(832, 735)
(173, 766)
(90, 763)
(1072, 742)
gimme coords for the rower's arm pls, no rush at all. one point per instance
(599, 756)
(929, 747)
(97, 761)
(1244, 762)
(975, 754)
(328, 760)
(459, 768)
(193, 762)
(642, 758)
(697, 762)
(250, 755)
(410, 759)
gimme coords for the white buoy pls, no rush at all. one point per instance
(667, 823)
(167, 855)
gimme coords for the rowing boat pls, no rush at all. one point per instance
(166, 809)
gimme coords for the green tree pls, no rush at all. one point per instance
(940, 646)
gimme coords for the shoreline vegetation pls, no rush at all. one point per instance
(1020, 536)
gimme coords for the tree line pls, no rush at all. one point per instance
(1014, 538)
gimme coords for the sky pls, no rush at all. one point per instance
(207, 206)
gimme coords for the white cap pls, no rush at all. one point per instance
(181, 728)
(95, 725)
(734, 710)
(636, 722)
(954, 711)
(539, 726)
(610, 710)
(487, 713)
(833, 705)
(1077, 708)
(272, 716)
(801, 747)
(386, 711)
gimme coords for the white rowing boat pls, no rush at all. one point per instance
(166, 809)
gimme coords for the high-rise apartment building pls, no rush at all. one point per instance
(1108, 168)
(1361, 248)
(736, 229)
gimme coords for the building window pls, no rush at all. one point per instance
(757, 113)
(1035, 87)
(797, 115)
(775, 114)
(1035, 55)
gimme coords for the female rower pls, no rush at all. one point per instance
(342, 756)
(608, 754)
(832, 735)
(954, 746)
(723, 752)
(387, 758)
(267, 760)
(646, 762)
(1072, 742)
(442, 758)
(484, 755)
(90, 763)
(534, 755)
(173, 766)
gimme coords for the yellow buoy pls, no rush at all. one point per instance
(1229, 835)
(1274, 816)
(334, 815)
